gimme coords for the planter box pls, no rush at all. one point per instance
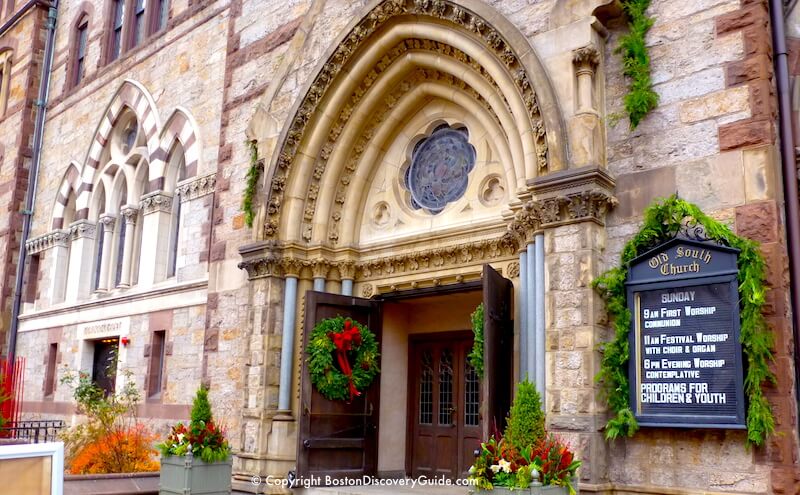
(533, 490)
(191, 476)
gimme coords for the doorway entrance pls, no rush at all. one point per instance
(104, 364)
(444, 405)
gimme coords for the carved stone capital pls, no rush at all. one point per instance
(292, 267)
(573, 196)
(129, 213)
(197, 187)
(49, 240)
(107, 220)
(82, 229)
(525, 223)
(586, 57)
(156, 201)
(347, 270)
(320, 268)
(261, 260)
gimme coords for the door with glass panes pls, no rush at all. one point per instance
(444, 403)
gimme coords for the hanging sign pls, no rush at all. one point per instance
(686, 358)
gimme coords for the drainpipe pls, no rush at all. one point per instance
(789, 168)
(38, 134)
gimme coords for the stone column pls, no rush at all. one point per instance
(320, 270)
(586, 127)
(530, 320)
(55, 252)
(156, 220)
(129, 213)
(107, 222)
(291, 269)
(522, 299)
(347, 270)
(81, 268)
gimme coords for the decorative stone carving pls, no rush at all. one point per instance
(47, 241)
(197, 187)
(439, 9)
(320, 268)
(85, 229)
(439, 258)
(513, 269)
(347, 270)
(108, 220)
(156, 201)
(367, 290)
(291, 267)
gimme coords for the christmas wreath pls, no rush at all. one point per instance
(342, 358)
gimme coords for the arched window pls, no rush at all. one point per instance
(79, 50)
(139, 25)
(175, 225)
(119, 237)
(117, 22)
(100, 202)
(160, 15)
(5, 79)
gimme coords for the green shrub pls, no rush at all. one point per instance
(476, 355)
(201, 408)
(526, 418)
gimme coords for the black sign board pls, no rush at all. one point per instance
(685, 356)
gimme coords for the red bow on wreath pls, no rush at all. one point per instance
(344, 342)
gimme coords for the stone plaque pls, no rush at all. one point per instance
(686, 358)
(104, 328)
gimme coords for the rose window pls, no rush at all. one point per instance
(439, 170)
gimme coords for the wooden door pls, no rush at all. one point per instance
(338, 439)
(444, 403)
(498, 338)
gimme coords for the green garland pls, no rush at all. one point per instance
(641, 98)
(476, 355)
(326, 378)
(253, 174)
(662, 221)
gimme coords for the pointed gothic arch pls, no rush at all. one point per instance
(137, 99)
(70, 186)
(396, 57)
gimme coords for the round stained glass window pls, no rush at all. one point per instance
(440, 169)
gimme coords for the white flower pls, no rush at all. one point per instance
(495, 468)
(180, 437)
(505, 466)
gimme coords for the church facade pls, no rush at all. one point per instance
(408, 161)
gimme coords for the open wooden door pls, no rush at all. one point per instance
(498, 348)
(338, 439)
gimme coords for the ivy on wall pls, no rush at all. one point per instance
(476, 354)
(662, 221)
(641, 98)
(253, 174)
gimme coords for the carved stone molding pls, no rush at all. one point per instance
(347, 270)
(445, 12)
(197, 187)
(47, 241)
(438, 258)
(513, 269)
(320, 268)
(83, 229)
(156, 201)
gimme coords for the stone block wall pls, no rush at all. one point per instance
(711, 140)
(25, 40)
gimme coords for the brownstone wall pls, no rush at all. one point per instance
(16, 143)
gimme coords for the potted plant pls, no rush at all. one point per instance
(524, 459)
(196, 459)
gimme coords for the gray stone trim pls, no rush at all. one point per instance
(83, 229)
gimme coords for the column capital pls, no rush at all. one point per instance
(129, 213)
(82, 229)
(107, 220)
(347, 270)
(320, 268)
(586, 58)
(156, 201)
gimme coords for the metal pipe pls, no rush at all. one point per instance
(33, 176)
(789, 168)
